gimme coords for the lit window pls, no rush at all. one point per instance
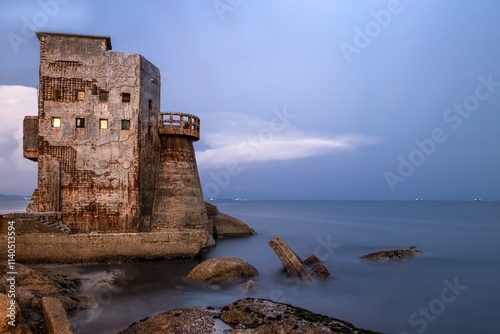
(80, 122)
(103, 123)
(80, 96)
(125, 97)
(56, 94)
(103, 96)
(125, 124)
(56, 122)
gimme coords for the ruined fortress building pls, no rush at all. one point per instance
(108, 159)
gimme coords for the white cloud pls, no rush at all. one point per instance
(230, 137)
(242, 139)
(17, 175)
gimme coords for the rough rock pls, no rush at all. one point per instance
(225, 226)
(230, 227)
(31, 286)
(55, 317)
(249, 286)
(245, 316)
(316, 266)
(212, 210)
(20, 326)
(392, 255)
(223, 270)
(292, 263)
(261, 316)
(192, 320)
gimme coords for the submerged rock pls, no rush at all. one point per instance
(249, 286)
(223, 270)
(392, 255)
(317, 266)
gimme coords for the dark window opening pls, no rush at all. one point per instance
(125, 97)
(150, 105)
(125, 124)
(56, 94)
(80, 122)
(103, 96)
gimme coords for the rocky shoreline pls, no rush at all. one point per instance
(45, 295)
(244, 316)
(41, 293)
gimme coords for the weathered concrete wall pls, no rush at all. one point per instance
(49, 222)
(103, 169)
(85, 248)
(179, 200)
(30, 137)
(149, 140)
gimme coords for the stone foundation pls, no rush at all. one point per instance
(111, 247)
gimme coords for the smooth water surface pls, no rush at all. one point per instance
(452, 287)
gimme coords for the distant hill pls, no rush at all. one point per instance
(13, 197)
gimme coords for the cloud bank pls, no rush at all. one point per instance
(229, 138)
(17, 175)
(235, 138)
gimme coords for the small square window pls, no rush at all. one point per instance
(56, 122)
(125, 124)
(103, 96)
(103, 123)
(80, 122)
(56, 94)
(125, 97)
(80, 95)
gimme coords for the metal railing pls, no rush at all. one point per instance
(175, 123)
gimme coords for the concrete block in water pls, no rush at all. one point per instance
(292, 263)
(55, 317)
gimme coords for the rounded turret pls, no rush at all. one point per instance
(179, 200)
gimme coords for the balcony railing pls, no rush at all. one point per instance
(175, 123)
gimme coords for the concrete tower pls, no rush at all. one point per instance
(96, 134)
(178, 197)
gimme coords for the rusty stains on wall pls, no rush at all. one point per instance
(30, 138)
(108, 160)
(65, 89)
(92, 107)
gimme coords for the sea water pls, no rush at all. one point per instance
(15, 205)
(452, 287)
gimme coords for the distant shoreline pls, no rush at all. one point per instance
(14, 197)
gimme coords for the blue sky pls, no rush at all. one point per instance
(298, 99)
